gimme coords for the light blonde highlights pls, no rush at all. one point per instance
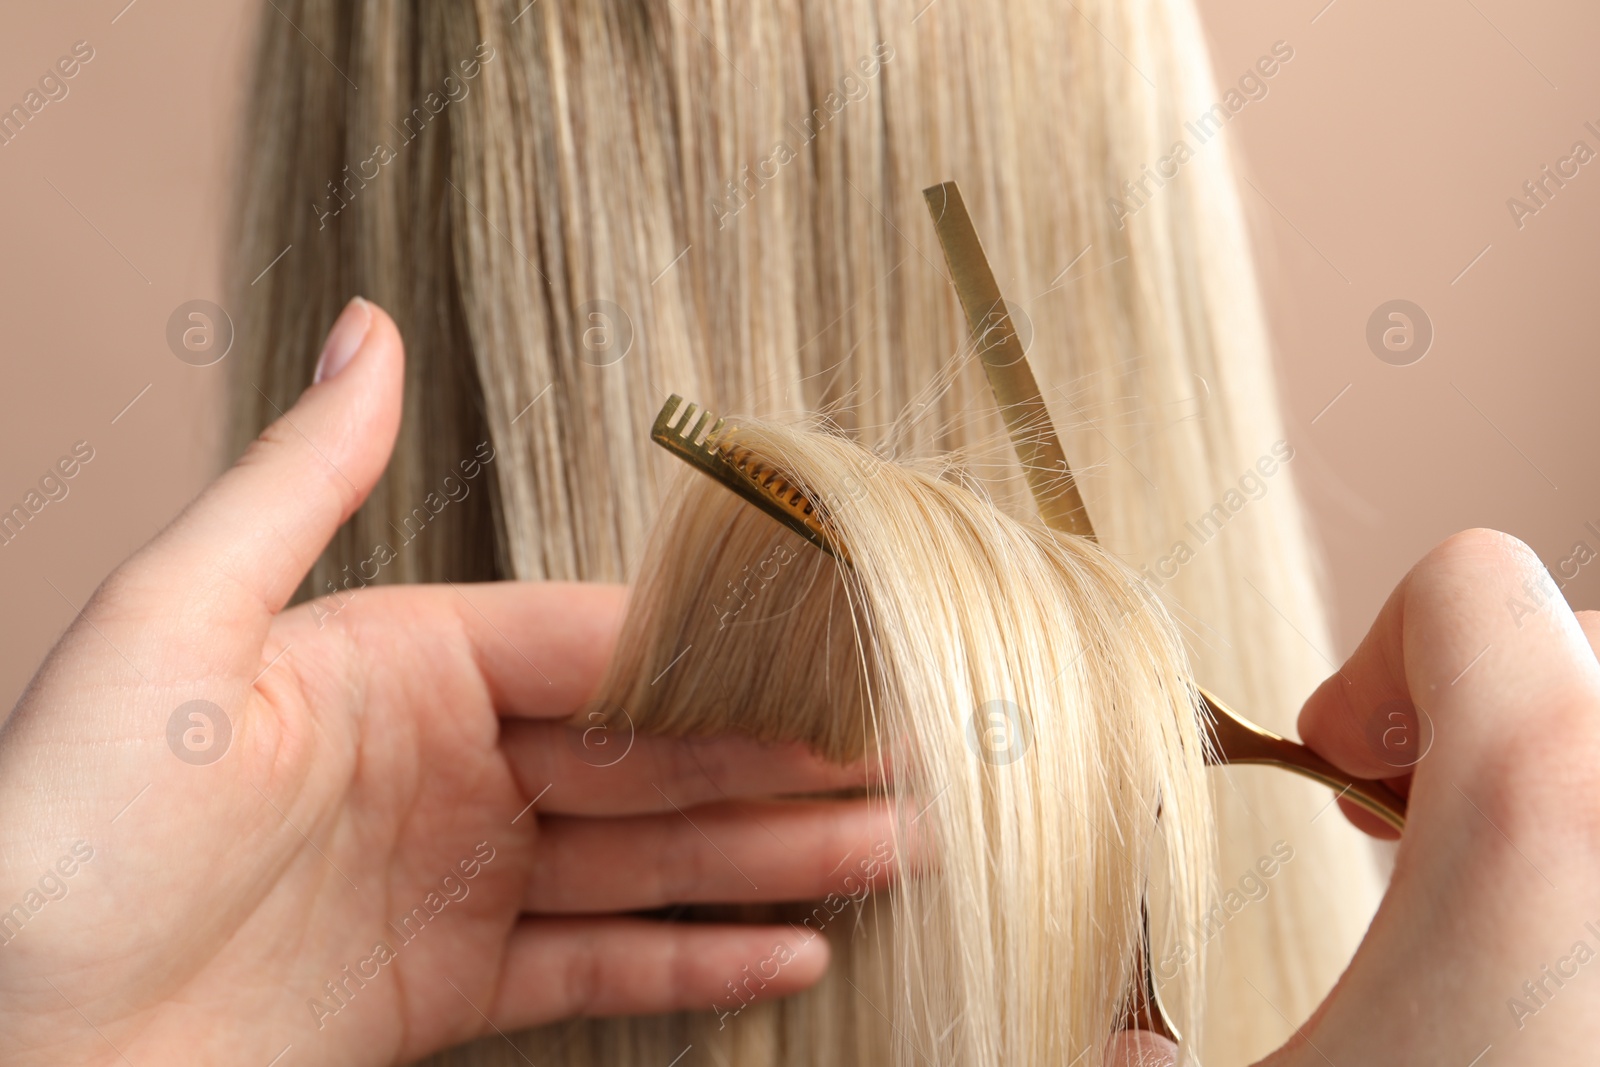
(1031, 700)
(590, 162)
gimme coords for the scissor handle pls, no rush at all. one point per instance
(1240, 741)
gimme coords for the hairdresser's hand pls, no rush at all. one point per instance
(1478, 692)
(355, 871)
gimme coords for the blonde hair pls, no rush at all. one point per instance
(707, 170)
(1030, 698)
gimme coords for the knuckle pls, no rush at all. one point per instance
(120, 593)
(584, 980)
(152, 585)
(1480, 546)
(691, 769)
(281, 442)
(268, 443)
(698, 872)
(681, 867)
(682, 969)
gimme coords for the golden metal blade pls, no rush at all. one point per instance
(1044, 463)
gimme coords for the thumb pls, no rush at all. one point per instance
(1140, 1048)
(263, 524)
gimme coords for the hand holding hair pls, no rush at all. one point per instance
(399, 846)
(398, 795)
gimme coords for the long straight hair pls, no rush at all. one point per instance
(1033, 703)
(575, 208)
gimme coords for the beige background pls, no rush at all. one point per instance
(1380, 163)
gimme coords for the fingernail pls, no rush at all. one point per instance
(344, 340)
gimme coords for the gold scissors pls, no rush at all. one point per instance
(705, 444)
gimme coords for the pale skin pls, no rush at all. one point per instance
(368, 761)
(400, 738)
(1498, 871)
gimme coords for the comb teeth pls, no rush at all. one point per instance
(766, 478)
(695, 439)
(739, 468)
